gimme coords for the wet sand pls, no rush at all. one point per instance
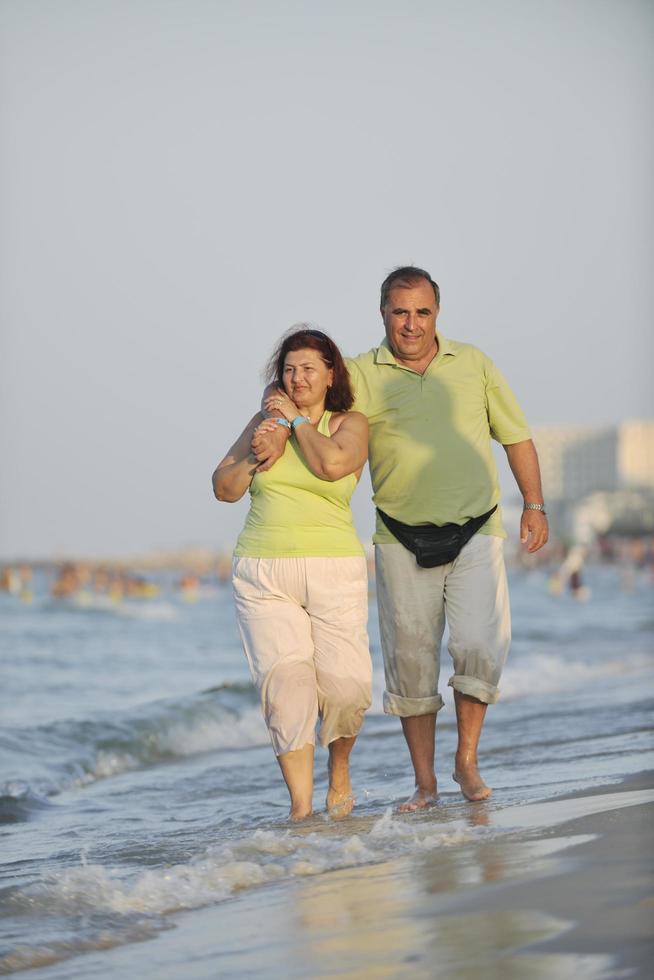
(558, 889)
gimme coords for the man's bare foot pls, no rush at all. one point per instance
(423, 796)
(472, 785)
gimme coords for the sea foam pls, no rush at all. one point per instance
(265, 856)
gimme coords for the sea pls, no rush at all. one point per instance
(143, 818)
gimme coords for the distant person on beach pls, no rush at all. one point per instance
(299, 571)
(433, 406)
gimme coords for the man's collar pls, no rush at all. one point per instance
(384, 354)
(445, 346)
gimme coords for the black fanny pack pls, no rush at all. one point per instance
(433, 545)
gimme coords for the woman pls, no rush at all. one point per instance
(299, 571)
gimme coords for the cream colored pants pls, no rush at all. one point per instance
(303, 623)
(471, 593)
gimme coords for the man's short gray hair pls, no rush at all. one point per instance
(406, 275)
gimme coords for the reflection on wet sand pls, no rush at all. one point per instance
(350, 917)
(397, 919)
(414, 915)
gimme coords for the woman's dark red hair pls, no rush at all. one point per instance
(339, 397)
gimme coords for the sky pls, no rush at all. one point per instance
(182, 181)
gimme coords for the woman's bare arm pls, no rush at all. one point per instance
(344, 452)
(234, 472)
(328, 457)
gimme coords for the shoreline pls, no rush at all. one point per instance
(570, 896)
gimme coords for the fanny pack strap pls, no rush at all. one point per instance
(405, 533)
(474, 524)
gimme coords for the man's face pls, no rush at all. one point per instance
(410, 320)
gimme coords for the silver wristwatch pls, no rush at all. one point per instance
(540, 507)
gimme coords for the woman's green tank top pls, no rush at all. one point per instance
(294, 512)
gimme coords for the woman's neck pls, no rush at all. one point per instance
(313, 412)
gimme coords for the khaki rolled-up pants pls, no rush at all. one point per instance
(303, 624)
(471, 593)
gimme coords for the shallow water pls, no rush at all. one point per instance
(137, 781)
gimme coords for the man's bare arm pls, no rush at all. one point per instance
(523, 461)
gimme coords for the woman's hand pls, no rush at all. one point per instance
(268, 443)
(280, 404)
(268, 425)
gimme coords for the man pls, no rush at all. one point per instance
(433, 405)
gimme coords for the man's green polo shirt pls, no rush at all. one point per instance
(429, 447)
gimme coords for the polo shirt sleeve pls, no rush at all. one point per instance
(358, 389)
(506, 419)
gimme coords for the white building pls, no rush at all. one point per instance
(636, 454)
(579, 460)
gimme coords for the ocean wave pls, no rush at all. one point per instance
(19, 802)
(48, 954)
(146, 609)
(60, 755)
(266, 856)
(83, 751)
(535, 674)
(547, 673)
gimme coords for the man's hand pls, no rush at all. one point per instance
(268, 444)
(268, 392)
(523, 461)
(534, 530)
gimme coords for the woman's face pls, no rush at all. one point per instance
(306, 377)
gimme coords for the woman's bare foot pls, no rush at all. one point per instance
(339, 804)
(297, 770)
(423, 796)
(472, 785)
(340, 800)
(298, 813)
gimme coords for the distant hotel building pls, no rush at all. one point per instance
(576, 461)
